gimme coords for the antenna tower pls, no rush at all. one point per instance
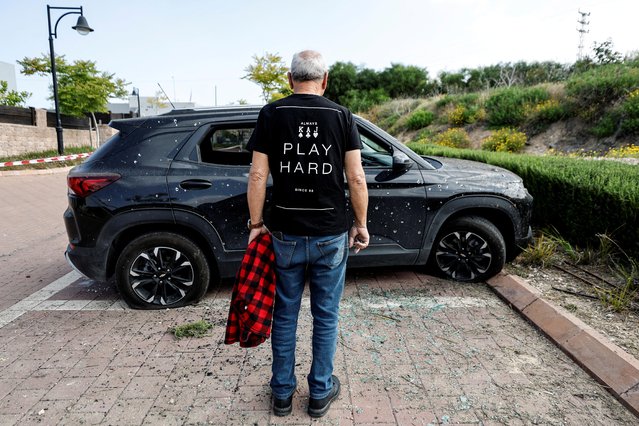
(582, 31)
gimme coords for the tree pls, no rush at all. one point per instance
(159, 101)
(82, 88)
(605, 53)
(269, 72)
(12, 97)
(452, 82)
(342, 77)
(405, 81)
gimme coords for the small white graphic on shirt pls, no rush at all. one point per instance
(308, 128)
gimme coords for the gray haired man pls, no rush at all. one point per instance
(307, 143)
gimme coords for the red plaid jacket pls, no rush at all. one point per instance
(251, 311)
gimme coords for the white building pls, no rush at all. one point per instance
(8, 74)
(149, 105)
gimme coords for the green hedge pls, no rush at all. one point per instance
(579, 197)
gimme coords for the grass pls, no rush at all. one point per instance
(618, 299)
(571, 307)
(541, 252)
(549, 248)
(193, 329)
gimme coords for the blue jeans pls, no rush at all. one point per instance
(323, 261)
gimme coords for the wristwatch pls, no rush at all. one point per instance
(250, 225)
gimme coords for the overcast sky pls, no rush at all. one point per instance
(191, 47)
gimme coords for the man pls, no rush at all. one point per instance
(307, 143)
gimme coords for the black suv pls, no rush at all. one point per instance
(162, 207)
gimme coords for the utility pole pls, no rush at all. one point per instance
(582, 31)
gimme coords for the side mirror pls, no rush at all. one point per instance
(401, 162)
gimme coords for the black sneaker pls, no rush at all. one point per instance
(282, 407)
(319, 407)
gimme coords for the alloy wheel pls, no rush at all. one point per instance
(161, 275)
(463, 255)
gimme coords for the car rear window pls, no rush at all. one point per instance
(140, 148)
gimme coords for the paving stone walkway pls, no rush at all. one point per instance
(413, 350)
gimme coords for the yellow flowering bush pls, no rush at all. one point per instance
(505, 140)
(548, 111)
(631, 151)
(630, 108)
(458, 116)
(453, 138)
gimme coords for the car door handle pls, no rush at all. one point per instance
(195, 184)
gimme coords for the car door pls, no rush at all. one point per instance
(209, 178)
(396, 206)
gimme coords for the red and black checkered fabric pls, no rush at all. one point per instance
(251, 311)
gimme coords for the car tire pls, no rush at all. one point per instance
(469, 249)
(162, 270)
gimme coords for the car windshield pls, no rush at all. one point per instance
(375, 154)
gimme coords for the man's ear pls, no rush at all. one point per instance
(290, 80)
(325, 81)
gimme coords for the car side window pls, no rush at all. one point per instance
(375, 154)
(226, 146)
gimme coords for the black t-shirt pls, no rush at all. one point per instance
(306, 138)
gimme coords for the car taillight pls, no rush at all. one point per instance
(87, 185)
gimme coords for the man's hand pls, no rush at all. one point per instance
(255, 232)
(358, 237)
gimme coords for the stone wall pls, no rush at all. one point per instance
(16, 139)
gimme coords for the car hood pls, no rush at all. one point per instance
(466, 176)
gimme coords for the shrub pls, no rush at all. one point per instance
(420, 119)
(630, 110)
(388, 122)
(606, 125)
(542, 251)
(458, 110)
(444, 101)
(364, 100)
(548, 111)
(505, 140)
(599, 87)
(630, 126)
(453, 138)
(508, 107)
(425, 136)
(459, 115)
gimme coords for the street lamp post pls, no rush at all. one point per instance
(82, 27)
(136, 92)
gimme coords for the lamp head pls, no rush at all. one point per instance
(82, 26)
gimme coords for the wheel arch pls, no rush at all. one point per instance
(498, 210)
(130, 225)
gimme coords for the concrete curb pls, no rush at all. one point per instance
(603, 360)
(28, 172)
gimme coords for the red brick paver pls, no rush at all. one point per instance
(412, 350)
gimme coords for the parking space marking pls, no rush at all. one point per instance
(31, 302)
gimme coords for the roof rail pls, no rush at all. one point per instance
(179, 111)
